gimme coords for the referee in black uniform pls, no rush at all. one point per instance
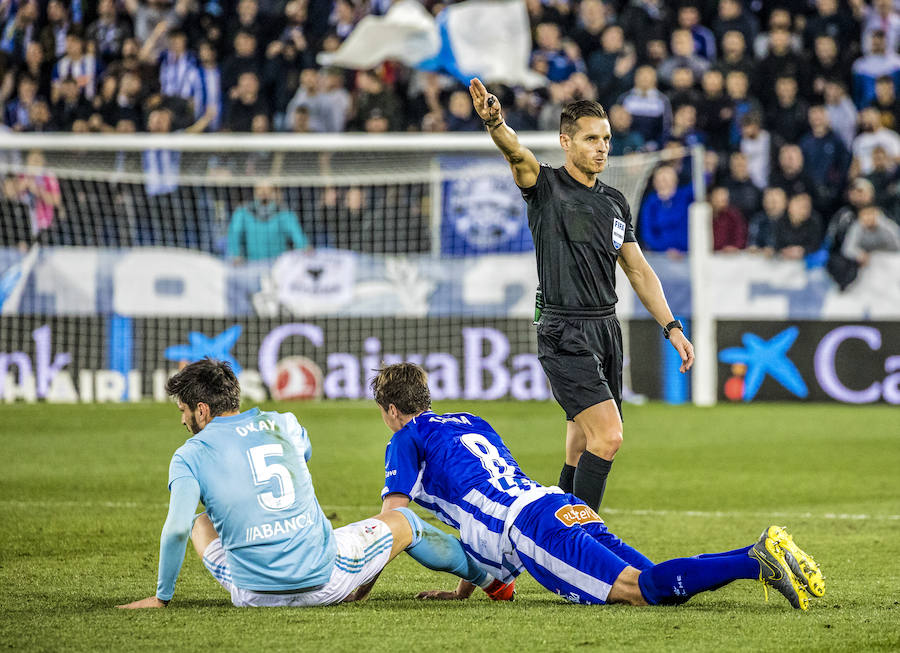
(581, 228)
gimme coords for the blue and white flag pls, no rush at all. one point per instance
(13, 281)
(490, 39)
(407, 33)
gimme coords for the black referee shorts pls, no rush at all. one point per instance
(582, 357)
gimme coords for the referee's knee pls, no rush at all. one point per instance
(607, 444)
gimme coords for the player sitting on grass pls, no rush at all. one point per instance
(264, 537)
(456, 466)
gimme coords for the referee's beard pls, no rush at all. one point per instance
(588, 159)
(589, 164)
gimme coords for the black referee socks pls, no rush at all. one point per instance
(590, 479)
(567, 478)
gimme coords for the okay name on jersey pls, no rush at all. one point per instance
(261, 425)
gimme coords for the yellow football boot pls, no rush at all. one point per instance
(800, 562)
(774, 571)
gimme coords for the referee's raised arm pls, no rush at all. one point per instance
(524, 164)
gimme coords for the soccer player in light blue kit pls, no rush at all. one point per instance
(263, 536)
(456, 466)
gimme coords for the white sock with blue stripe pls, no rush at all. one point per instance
(435, 549)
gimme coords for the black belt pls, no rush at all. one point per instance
(580, 312)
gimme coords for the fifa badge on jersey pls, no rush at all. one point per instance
(618, 233)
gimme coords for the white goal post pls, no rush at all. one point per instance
(703, 323)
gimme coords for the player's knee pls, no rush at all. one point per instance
(416, 525)
(614, 439)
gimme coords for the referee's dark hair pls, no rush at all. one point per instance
(405, 385)
(209, 381)
(579, 109)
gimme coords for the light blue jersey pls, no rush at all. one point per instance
(254, 482)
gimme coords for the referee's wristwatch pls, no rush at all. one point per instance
(674, 324)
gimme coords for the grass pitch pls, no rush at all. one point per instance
(83, 498)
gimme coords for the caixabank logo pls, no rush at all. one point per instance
(758, 358)
(819, 361)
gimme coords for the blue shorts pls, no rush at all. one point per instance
(568, 549)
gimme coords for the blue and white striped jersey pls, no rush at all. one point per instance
(456, 466)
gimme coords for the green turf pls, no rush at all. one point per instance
(83, 497)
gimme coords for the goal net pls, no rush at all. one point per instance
(306, 261)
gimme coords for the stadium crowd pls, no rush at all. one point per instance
(796, 101)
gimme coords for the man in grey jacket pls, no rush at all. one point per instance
(871, 232)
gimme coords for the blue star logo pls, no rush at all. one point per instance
(767, 357)
(218, 348)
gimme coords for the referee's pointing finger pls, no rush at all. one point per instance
(477, 89)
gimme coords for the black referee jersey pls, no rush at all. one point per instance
(578, 232)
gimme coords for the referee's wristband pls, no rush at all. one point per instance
(674, 324)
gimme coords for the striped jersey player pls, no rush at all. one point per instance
(457, 467)
(469, 480)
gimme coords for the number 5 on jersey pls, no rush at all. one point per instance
(263, 472)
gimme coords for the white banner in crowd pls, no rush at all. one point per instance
(312, 283)
(749, 286)
(194, 285)
(155, 281)
(490, 39)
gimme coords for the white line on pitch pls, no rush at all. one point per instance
(737, 513)
(640, 512)
(119, 505)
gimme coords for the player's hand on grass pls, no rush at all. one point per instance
(149, 602)
(440, 595)
(463, 591)
(351, 597)
(361, 593)
(684, 348)
(486, 105)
